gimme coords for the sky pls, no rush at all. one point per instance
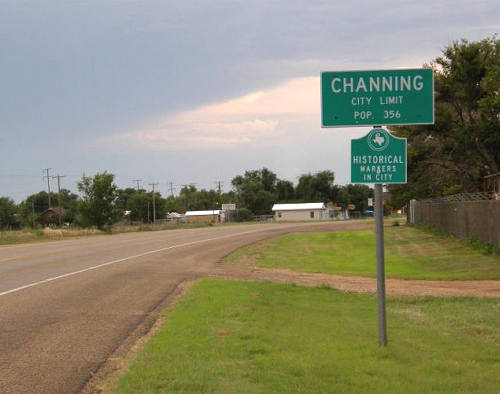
(197, 91)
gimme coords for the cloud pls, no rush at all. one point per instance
(261, 117)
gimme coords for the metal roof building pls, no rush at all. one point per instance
(299, 212)
(202, 213)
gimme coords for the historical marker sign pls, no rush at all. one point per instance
(378, 157)
(377, 97)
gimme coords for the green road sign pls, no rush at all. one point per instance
(378, 157)
(378, 97)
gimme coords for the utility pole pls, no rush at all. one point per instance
(48, 181)
(137, 181)
(154, 205)
(219, 186)
(59, 195)
(171, 188)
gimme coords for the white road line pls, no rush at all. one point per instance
(119, 261)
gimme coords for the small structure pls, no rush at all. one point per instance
(307, 211)
(174, 217)
(52, 216)
(213, 216)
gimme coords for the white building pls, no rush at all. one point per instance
(307, 211)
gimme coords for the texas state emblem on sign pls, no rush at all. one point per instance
(378, 157)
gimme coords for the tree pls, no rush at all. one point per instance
(241, 215)
(316, 187)
(138, 204)
(7, 213)
(256, 190)
(171, 204)
(342, 197)
(192, 199)
(463, 145)
(98, 206)
(124, 196)
(358, 195)
(285, 189)
(33, 206)
(69, 201)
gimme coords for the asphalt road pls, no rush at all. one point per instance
(66, 306)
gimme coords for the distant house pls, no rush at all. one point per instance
(307, 211)
(175, 217)
(214, 216)
(52, 216)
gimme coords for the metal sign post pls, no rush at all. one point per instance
(379, 234)
(383, 97)
(377, 157)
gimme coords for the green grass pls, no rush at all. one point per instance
(256, 337)
(410, 253)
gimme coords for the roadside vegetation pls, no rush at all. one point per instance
(261, 337)
(411, 253)
(463, 145)
(102, 205)
(48, 234)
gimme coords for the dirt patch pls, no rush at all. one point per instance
(243, 267)
(360, 284)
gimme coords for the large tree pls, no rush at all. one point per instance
(256, 190)
(34, 205)
(98, 206)
(138, 202)
(7, 213)
(285, 189)
(317, 187)
(463, 145)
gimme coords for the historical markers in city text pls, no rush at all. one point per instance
(378, 157)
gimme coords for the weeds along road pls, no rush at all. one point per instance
(66, 306)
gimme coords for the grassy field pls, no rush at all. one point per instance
(411, 253)
(12, 237)
(256, 337)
